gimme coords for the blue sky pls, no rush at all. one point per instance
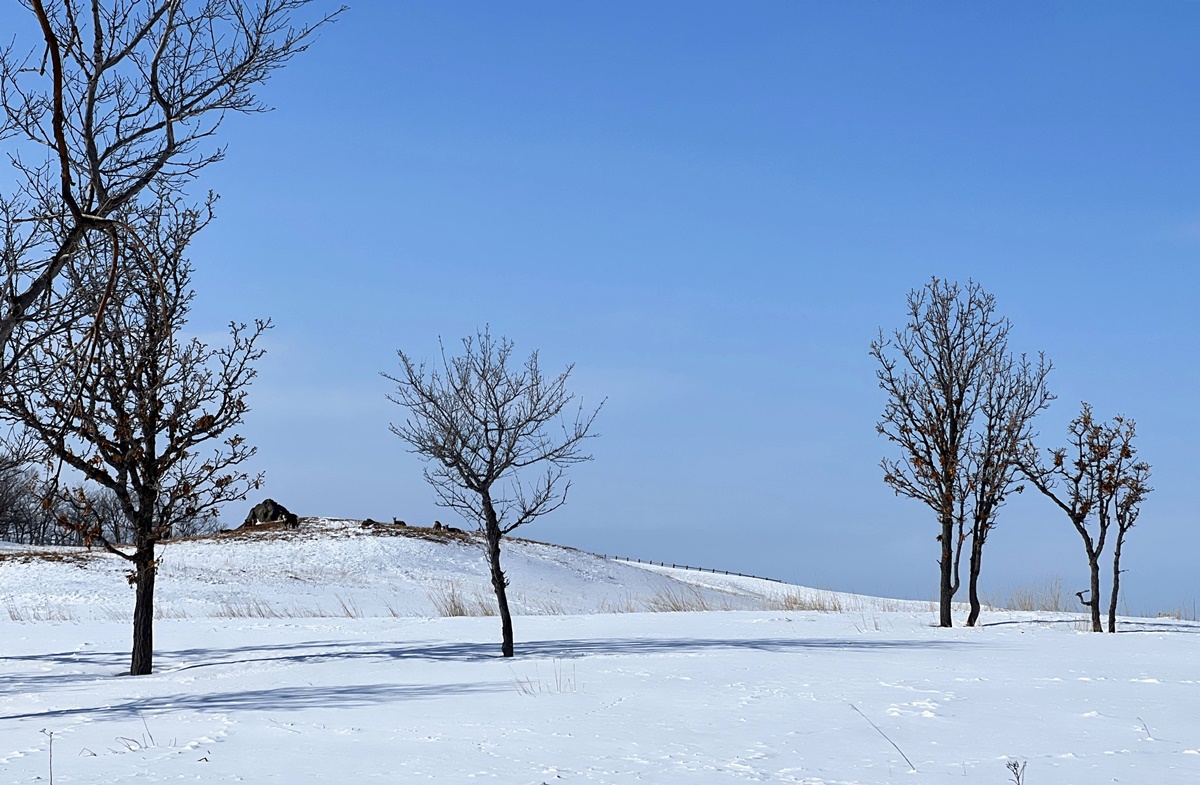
(711, 208)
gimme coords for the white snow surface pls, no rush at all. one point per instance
(318, 657)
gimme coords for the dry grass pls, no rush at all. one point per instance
(79, 557)
(273, 530)
(682, 600)
(544, 606)
(44, 613)
(802, 600)
(562, 681)
(449, 599)
(444, 534)
(349, 607)
(1045, 597)
(625, 604)
(254, 608)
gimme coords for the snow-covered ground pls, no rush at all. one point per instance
(319, 658)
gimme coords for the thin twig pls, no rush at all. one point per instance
(884, 735)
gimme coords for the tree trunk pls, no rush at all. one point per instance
(973, 579)
(947, 565)
(143, 611)
(1116, 586)
(1094, 600)
(499, 582)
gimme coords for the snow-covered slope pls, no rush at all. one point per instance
(341, 568)
(320, 659)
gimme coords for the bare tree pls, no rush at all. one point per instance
(949, 363)
(1133, 489)
(117, 97)
(481, 422)
(1014, 392)
(1097, 481)
(150, 420)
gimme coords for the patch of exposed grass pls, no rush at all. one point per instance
(79, 557)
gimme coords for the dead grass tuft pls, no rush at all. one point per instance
(43, 613)
(449, 599)
(802, 600)
(626, 604)
(1045, 597)
(683, 600)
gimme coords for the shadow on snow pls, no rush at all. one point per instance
(96, 666)
(278, 699)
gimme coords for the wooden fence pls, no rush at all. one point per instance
(687, 567)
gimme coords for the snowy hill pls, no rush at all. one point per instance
(321, 657)
(341, 568)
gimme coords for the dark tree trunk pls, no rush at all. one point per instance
(973, 579)
(1116, 586)
(499, 582)
(1094, 599)
(947, 565)
(143, 611)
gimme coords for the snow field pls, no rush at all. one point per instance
(718, 696)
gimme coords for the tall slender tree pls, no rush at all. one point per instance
(483, 422)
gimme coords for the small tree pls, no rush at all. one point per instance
(135, 422)
(1097, 481)
(482, 423)
(949, 364)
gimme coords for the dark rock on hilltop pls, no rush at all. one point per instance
(271, 511)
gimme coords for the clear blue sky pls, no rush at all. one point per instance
(711, 208)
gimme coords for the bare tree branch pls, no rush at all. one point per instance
(136, 91)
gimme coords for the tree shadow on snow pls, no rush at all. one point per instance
(104, 665)
(1138, 626)
(278, 699)
(557, 649)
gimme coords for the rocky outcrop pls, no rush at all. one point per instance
(271, 511)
